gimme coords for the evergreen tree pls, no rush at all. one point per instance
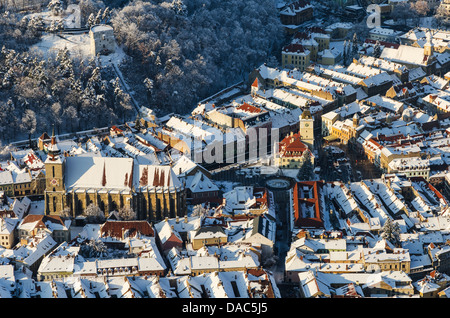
(55, 6)
(149, 86)
(121, 99)
(64, 63)
(98, 17)
(94, 249)
(355, 46)
(35, 25)
(306, 171)
(91, 20)
(8, 79)
(60, 25)
(53, 27)
(377, 49)
(345, 53)
(106, 16)
(95, 81)
(391, 231)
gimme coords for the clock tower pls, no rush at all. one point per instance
(54, 178)
(307, 129)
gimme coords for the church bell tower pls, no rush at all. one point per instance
(54, 178)
(306, 129)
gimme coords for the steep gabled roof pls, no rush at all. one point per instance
(98, 172)
(31, 222)
(200, 183)
(292, 144)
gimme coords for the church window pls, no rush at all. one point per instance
(172, 206)
(158, 205)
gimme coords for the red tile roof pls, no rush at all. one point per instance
(249, 108)
(294, 48)
(300, 220)
(290, 144)
(116, 228)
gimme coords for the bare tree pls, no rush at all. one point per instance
(94, 214)
(66, 213)
(127, 213)
(421, 7)
(198, 210)
(442, 16)
(403, 11)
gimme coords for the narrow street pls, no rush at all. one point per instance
(283, 238)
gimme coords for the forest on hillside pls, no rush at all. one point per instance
(178, 53)
(187, 51)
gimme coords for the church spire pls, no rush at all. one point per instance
(53, 150)
(428, 46)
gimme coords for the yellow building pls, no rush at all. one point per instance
(347, 129)
(306, 129)
(327, 57)
(313, 39)
(7, 233)
(290, 152)
(295, 56)
(387, 258)
(210, 235)
(328, 120)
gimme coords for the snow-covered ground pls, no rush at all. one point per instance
(77, 44)
(71, 16)
(37, 207)
(116, 58)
